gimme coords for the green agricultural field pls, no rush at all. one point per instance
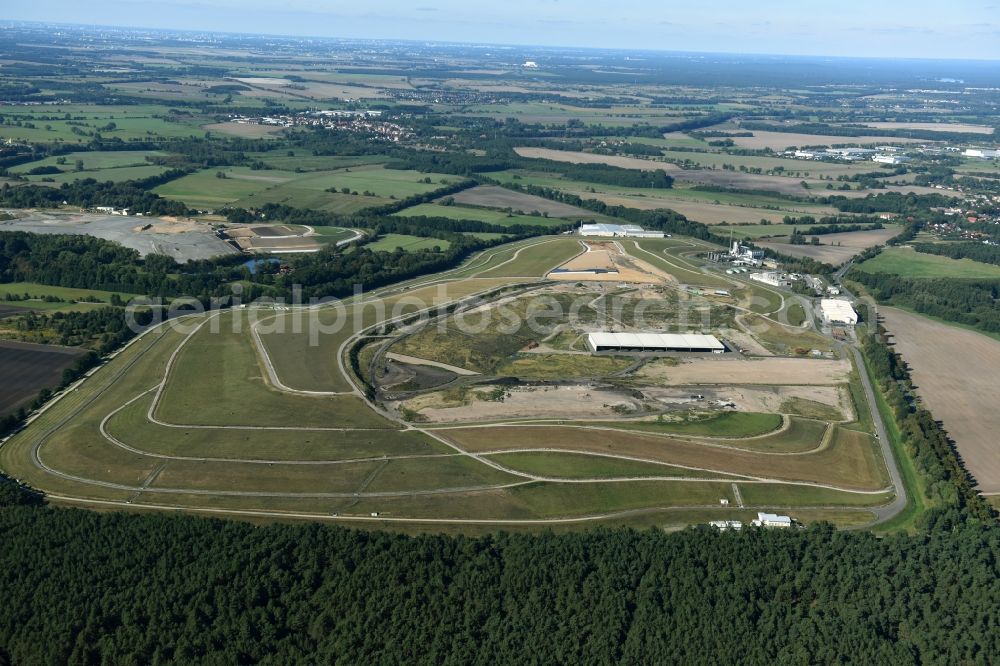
(393, 242)
(130, 122)
(501, 218)
(93, 161)
(906, 262)
(305, 160)
(204, 189)
(40, 291)
(245, 187)
(381, 182)
(116, 175)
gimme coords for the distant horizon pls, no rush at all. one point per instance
(969, 30)
(504, 45)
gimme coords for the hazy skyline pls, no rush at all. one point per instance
(914, 29)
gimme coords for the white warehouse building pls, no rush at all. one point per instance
(771, 520)
(654, 342)
(837, 311)
(982, 153)
(618, 231)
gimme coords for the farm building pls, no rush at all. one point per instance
(654, 342)
(724, 525)
(837, 311)
(771, 520)
(618, 231)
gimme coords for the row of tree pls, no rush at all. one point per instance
(987, 254)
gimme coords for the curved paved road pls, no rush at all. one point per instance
(892, 509)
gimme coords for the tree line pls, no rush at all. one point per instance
(90, 193)
(981, 252)
(971, 302)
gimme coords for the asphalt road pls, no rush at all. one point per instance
(890, 510)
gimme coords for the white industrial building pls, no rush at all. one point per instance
(889, 159)
(771, 520)
(982, 153)
(654, 342)
(773, 278)
(618, 231)
(837, 311)
(724, 525)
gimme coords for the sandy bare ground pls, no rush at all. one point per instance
(765, 371)
(836, 248)
(492, 196)
(765, 399)
(590, 158)
(589, 403)
(783, 140)
(597, 257)
(935, 127)
(528, 402)
(608, 256)
(955, 374)
(181, 239)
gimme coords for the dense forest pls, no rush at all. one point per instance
(156, 589)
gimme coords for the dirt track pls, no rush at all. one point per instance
(781, 371)
(955, 373)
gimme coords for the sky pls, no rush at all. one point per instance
(876, 28)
